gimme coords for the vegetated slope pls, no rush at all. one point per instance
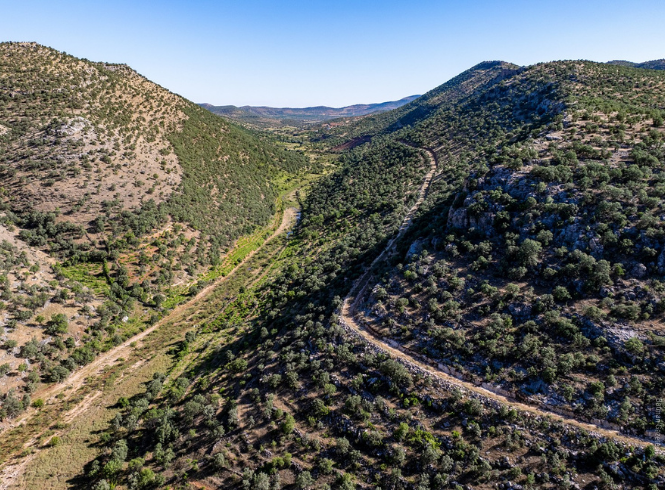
(91, 139)
(130, 186)
(464, 85)
(266, 116)
(273, 392)
(649, 65)
(544, 275)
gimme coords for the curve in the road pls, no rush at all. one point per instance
(446, 381)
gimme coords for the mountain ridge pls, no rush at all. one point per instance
(649, 65)
(311, 114)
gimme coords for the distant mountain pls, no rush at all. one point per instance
(287, 115)
(650, 65)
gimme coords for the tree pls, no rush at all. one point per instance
(58, 324)
(288, 424)
(398, 456)
(304, 480)
(529, 252)
(261, 482)
(560, 293)
(401, 431)
(397, 372)
(342, 446)
(102, 485)
(219, 461)
(120, 450)
(634, 346)
(345, 482)
(430, 455)
(325, 466)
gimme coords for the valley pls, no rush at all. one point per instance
(117, 373)
(465, 291)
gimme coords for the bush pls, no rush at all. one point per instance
(288, 424)
(58, 324)
(634, 346)
(560, 293)
(401, 432)
(396, 372)
(304, 480)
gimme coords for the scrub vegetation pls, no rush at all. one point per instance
(531, 265)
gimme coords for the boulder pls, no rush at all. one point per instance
(639, 271)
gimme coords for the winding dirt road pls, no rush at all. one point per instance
(422, 365)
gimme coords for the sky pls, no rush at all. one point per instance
(309, 52)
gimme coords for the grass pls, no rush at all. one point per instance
(54, 467)
(175, 296)
(89, 275)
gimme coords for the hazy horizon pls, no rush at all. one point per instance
(303, 54)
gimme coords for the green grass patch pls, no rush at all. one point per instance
(89, 275)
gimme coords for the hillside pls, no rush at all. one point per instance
(541, 275)
(649, 65)
(472, 300)
(112, 189)
(273, 116)
(91, 140)
(456, 90)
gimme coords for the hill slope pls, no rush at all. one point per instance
(649, 65)
(92, 139)
(128, 188)
(464, 85)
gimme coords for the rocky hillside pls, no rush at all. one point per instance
(543, 275)
(112, 189)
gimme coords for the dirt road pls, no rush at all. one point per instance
(413, 360)
(77, 379)
(11, 472)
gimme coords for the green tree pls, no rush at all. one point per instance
(529, 251)
(288, 424)
(57, 325)
(304, 480)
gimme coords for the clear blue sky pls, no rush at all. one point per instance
(310, 52)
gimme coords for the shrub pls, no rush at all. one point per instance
(396, 372)
(560, 293)
(304, 480)
(58, 324)
(288, 424)
(401, 432)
